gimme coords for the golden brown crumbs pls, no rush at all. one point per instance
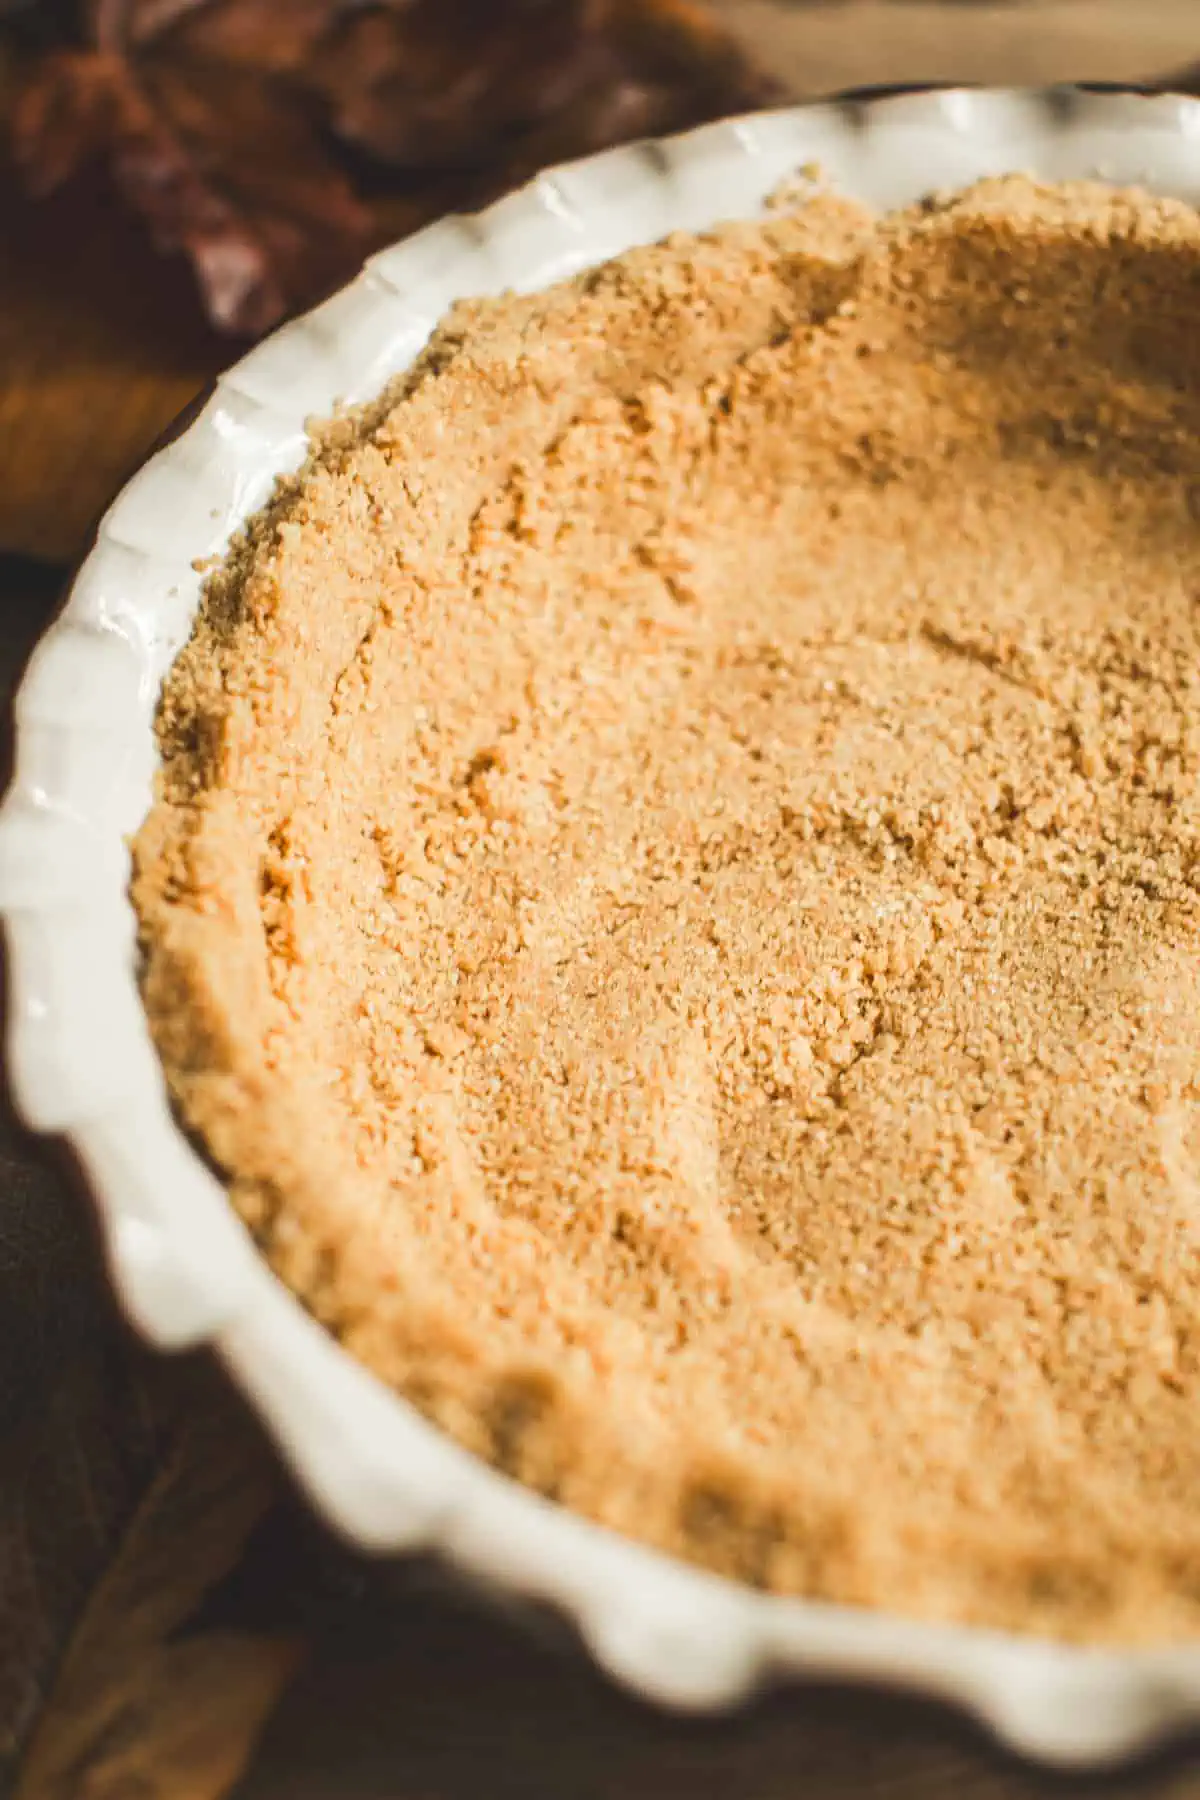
(674, 899)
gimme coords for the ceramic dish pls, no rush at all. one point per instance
(81, 1060)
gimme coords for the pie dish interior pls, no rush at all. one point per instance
(673, 899)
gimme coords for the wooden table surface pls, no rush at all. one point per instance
(408, 1691)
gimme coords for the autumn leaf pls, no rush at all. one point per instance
(140, 1704)
(189, 1735)
(275, 142)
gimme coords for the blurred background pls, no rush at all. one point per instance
(176, 176)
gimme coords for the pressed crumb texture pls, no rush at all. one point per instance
(674, 899)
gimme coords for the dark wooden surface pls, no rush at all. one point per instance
(411, 1690)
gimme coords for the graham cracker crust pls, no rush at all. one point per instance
(674, 899)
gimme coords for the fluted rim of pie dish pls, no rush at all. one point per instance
(80, 1057)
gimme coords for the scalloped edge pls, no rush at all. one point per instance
(80, 1057)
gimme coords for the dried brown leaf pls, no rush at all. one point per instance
(188, 1731)
(131, 1691)
(268, 138)
(279, 223)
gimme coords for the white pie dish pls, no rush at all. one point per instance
(80, 1057)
